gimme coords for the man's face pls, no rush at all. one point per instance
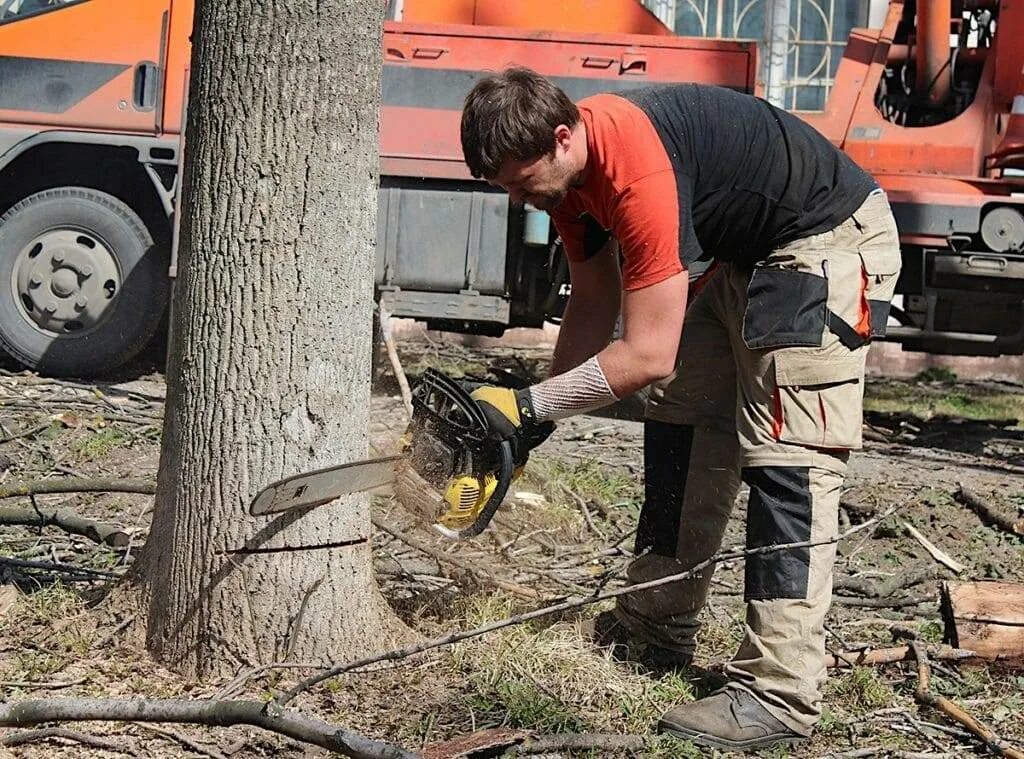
(542, 182)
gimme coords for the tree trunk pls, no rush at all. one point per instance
(269, 362)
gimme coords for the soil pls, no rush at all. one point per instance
(62, 637)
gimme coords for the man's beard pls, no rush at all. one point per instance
(547, 201)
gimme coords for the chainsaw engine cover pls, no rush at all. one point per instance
(448, 446)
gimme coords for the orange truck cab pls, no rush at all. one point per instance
(92, 97)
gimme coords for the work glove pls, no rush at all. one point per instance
(510, 417)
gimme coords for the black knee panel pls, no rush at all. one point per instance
(779, 511)
(666, 462)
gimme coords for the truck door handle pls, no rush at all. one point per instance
(633, 63)
(145, 86)
(629, 63)
(428, 53)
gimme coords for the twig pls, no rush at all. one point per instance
(464, 564)
(882, 603)
(572, 603)
(78, 485)
(47, 733)
(27, 433)
(923, 695)
(396, 365)
(112, 634)
(183, 739)
(940, 556)
(57, 567)
(51, 685)
(204, 712)
(67, 520)
(988, 513)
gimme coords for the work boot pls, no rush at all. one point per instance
(606, 630)
(730, 720)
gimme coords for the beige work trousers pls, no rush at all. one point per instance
(771, 382)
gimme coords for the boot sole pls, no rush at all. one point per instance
(710, 741)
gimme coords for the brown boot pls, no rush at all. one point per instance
(730, 720)
(606, 630)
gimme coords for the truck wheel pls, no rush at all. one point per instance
(82, 285)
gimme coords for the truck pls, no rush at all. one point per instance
(91, 150)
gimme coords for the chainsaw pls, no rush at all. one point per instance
(445, 450)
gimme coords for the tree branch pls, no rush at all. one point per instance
(923, 695)
(47, 733)
(571, 603)
(989, 513)
(204, 712)
(78, 485)
(67, 520)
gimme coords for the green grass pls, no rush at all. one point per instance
(936, 374)
(99, 444)
(587, 478)
(927, 401)
(552, 680)
(859, 690)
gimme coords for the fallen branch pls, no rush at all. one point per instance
(182, 739)
(78, 485)
(882, 603)
(203, 712)
(54, 566)
(899, 581)
(571, 603)
(936, 553)
(893, 654)
(47, 685)
(67, 520)
(923, 695)
(49, 733)
(989, 513)
(455, 561)
(396, 364)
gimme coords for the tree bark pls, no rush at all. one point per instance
(269, 364)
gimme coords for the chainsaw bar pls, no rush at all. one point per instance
(311, 489)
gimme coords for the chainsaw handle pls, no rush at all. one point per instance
(506, 468)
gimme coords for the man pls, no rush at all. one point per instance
(764, 382)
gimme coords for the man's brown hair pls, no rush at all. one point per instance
(512, 116)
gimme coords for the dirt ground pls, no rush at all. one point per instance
(567, 531)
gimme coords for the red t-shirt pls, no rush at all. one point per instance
(630, 191)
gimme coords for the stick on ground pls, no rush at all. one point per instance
(49, 733)
(67, 520)
(923, 695)
(989, 513)
(203, 712)
(78, 485)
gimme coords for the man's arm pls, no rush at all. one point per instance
(592, 309)
(652, 322)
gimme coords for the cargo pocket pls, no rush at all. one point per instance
(785, 308)
(881, 269)
(818, 399)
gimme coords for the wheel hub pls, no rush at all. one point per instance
(66, 281)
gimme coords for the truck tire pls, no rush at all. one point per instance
(82, 285)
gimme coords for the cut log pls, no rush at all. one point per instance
(987, 618)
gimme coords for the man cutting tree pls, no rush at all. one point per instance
(762, 382)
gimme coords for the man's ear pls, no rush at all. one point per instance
(563, 136)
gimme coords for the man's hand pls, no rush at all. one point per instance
(510, 417)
